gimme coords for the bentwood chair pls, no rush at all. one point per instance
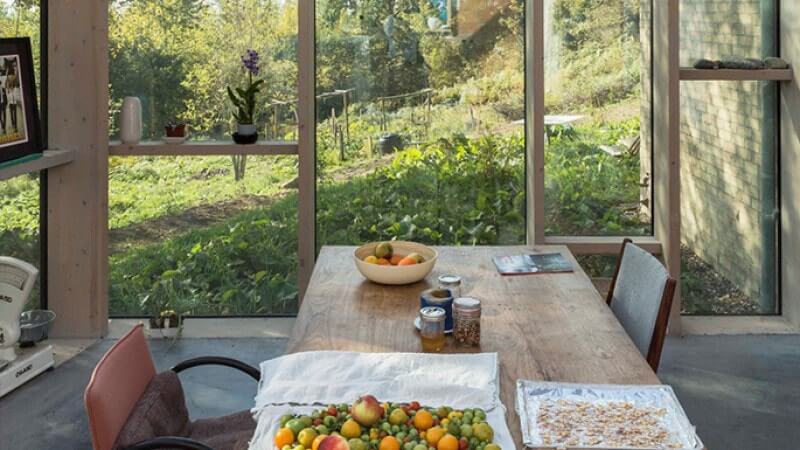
(640, 295)
(132, 407)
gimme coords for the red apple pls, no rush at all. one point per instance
(334, 442)
(367, 411)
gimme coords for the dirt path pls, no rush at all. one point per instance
(169, 226)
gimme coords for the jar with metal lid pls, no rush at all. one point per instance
(431, 328)
(451, 283)
(467, 321)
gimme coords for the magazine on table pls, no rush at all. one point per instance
(532, 264)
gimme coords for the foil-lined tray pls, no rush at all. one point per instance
(531, 395)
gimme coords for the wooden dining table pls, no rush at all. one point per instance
(553, 327)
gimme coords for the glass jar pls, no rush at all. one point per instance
(467, 321)
(431, 328)
(451, 283)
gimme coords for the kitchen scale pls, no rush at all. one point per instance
(21, 357)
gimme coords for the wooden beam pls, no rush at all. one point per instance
(666, 141)
(306, 113)
(534, 127)
(49, 159)
(602, 245)
(77, 196)
(691, 74)
(202, 148)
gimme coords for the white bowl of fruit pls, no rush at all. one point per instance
(395, 262)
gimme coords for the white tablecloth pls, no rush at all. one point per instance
(302, 382)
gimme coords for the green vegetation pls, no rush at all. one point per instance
(185, 235)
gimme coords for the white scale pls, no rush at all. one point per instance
(19, 363)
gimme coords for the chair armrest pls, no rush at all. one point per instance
(171, 442)
(218, 361)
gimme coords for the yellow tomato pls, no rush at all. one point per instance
(423, 420)
(351, 429)
(447, 442)
(389, 443)
(434, 434)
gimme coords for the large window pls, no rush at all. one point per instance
(597, 99)
(20, 232)
(420, 121)
(203, 235)
(729, 160)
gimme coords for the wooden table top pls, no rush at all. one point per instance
(552, 327)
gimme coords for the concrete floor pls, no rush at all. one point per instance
(742, 392)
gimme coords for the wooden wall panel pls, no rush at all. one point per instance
(78, 192)
(307, 192)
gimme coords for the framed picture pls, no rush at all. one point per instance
(20, 133)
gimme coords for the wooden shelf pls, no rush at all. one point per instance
(691, 74)
(202, 148)
(49, 159)
(603, 245)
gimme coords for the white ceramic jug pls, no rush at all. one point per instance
(130, 121)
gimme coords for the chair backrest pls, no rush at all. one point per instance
(640, 296)
(117, 383)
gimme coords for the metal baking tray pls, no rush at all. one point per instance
(531, 394)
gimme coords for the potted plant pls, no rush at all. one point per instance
(244, 100)
(167, 324)
(175, 131)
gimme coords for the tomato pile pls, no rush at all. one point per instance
(369, 425)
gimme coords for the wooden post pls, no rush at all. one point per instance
(340, 142)
(428, 124)
(383, 115)
(306, 113)
(666, 142)
(346, 116)
(275, 110)
(77, 195)
(534, 126)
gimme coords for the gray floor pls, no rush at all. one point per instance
(742, 392)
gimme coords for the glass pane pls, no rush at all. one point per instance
(179, 57)
(420, 121)
(727, 225)
(729, 160)
(598, 133)
(187, 236)
(19, 223)
(19, 197)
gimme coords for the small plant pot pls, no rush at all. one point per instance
(163, 333)
(163, 327)
(178, 130)
(245, 129)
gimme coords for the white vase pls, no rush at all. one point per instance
(245, 129)
(130, 121)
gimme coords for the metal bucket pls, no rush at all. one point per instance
(33, 326)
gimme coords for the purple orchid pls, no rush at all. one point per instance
(250, 62)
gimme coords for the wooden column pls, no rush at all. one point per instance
(666, 141)
(534, 125)
(77, 196)
(306, 113)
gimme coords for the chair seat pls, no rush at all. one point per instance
(161, 411)
(231, 432)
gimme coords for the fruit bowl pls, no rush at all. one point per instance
(400, 274)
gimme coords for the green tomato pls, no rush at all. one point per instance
(343, 407)
(473, 442)
(492, 447)
(329, 421)
(322, 429)
(385, 426)
(413, 433)
(295, 425)
(395, 429)
(454, 429)
(483, 431)
(400, 436)
(286, 418)
(467, 417)
(365, 437)
(481, 414)
(421, 447)
(357, 444)
(299, 447)
(466, 431)
(286, 447)
(397, 417)
(307, 421)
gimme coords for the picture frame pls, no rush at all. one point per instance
(20, 129)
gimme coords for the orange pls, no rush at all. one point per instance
(284, 436)
(407, 261)
(384, 262)
(434, 435)
(389, 443)
(423, 420)
(315, 444)
(447, 442)
(395, 259)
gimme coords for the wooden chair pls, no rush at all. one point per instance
(640, 295)
(132, 407)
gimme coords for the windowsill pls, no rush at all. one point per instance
(692, 74)
(201, 148)
(722, 325)
(234, 327)
(49, 159)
